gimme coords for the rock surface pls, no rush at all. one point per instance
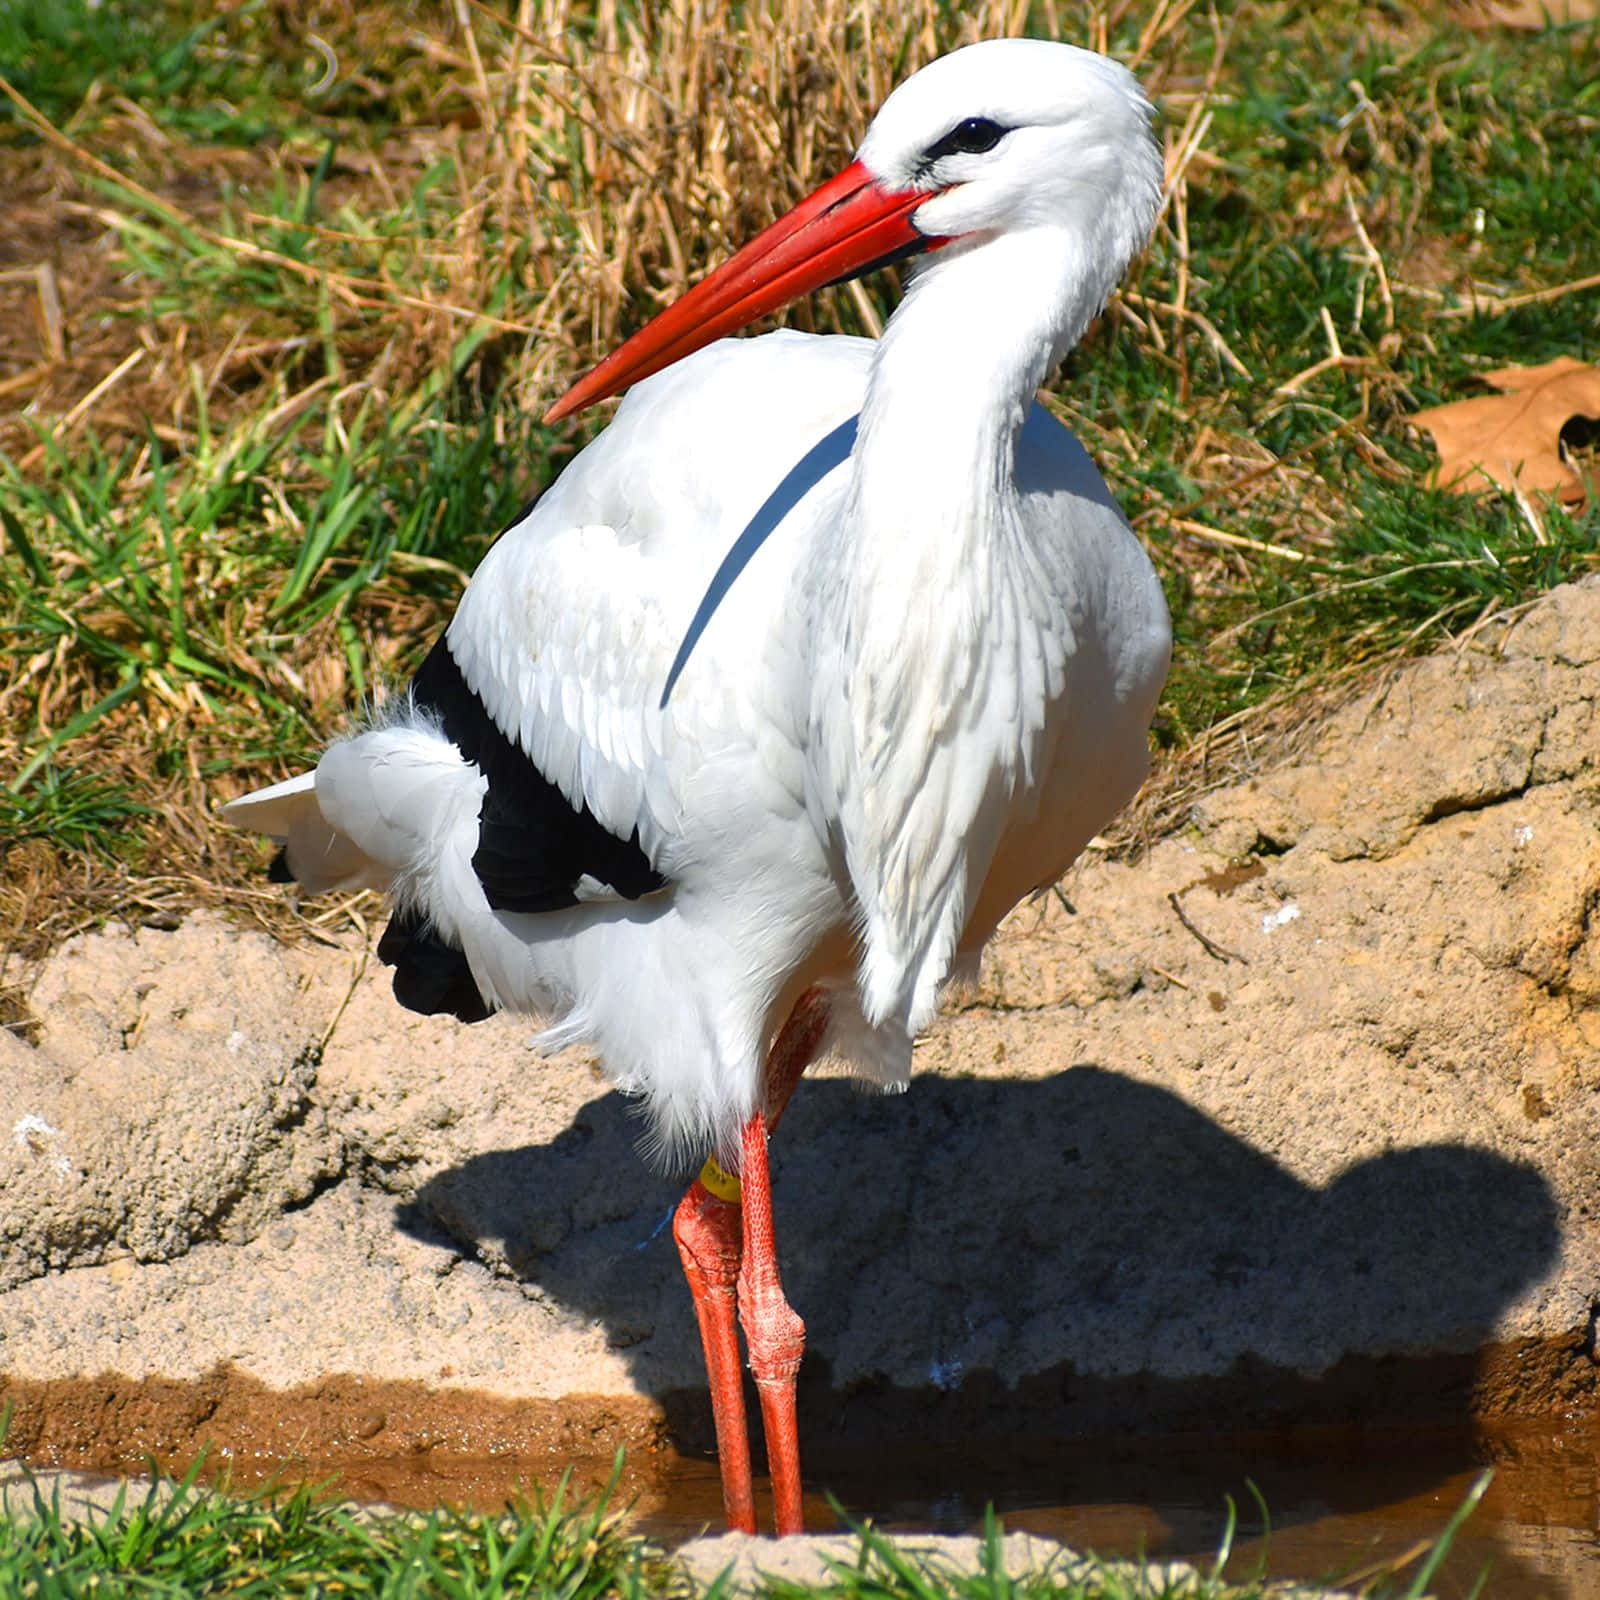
(149, 1118)
(1301, 1104)
(748, 1566)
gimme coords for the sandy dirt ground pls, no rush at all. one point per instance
(1292, 1119)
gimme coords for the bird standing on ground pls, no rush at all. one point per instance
(816, 661)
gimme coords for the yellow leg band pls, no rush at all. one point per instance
(720, 1181)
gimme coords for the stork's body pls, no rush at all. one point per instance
(926, 690)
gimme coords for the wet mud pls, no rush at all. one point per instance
(111, 1420)
(406, 1443)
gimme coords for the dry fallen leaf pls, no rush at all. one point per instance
(1532, 16)
(1512, 440)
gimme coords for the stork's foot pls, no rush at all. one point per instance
(709, 1232)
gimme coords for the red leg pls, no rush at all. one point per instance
(793, 1051)
(773, 1333)
(776, 1349)
(719, 1255)
(708, 1233)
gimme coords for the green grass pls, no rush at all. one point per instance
(178, 1540)
(231, 75)
(346, 292)
(1467, 156)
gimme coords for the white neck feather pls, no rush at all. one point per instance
(959, 365)
(922, 633)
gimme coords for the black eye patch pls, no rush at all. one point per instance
(973, 137)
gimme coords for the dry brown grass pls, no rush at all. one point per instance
(481, 204)
(601, 158)
(598, 159)
(160, 288)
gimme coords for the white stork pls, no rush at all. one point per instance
(913, 650)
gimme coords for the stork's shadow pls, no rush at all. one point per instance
(995, 1261)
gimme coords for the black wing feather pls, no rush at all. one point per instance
(533, 845)
(430, 976)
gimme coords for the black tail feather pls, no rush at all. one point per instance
(430, 976)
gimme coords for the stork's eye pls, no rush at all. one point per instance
(970, 138)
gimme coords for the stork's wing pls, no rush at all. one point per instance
(537, 849)
(570, 630)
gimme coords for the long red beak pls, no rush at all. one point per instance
(837, 230)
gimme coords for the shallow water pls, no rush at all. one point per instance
(1340, 1499)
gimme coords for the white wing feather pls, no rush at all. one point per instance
(790, 797)
(572, 621)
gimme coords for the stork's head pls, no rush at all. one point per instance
(998, 138)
